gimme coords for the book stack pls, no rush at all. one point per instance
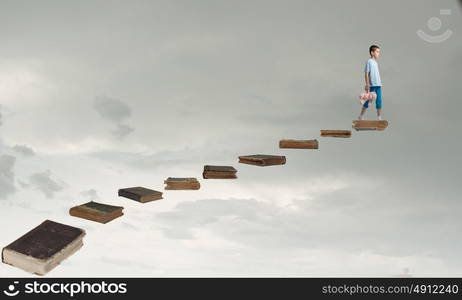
(219, 172)
(262, 160)
(369, 124)
(181, 183)
(336, 133)
(97, 212)
(299, 144)
(140, 194)
(44, 247)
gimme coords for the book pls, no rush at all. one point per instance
(140, 194)
(262, 160)
(97, 212)
(336, 133)
(181, 183)
(44, 247)
(219, 172)
(299, 144)
(369, 124)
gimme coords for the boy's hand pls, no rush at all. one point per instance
(366, 88)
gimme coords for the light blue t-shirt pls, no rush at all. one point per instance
(373, 68)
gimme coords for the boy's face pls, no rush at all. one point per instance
(376, 53)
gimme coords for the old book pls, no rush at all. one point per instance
(218, 175)
(140, 194)
(369, 124)
(262, 160)
(44, 247)
(219, 172)
(336, 133)
(181, 183)
(97, 212)
(299, 144)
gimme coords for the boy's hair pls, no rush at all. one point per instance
(372, 48)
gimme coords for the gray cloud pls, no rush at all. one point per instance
(24, 150)
(115, 111)
(90, 194)
(7, 187)
(43, 182)
(346, 220)
(111, 109)
(166, 158)
(122, 131)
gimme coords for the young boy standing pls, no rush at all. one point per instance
(373, 83)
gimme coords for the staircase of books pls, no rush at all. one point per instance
(45, 246)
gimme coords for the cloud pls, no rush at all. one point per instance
(111, 109)
(43, 182)
(115, 111)
(91, 194)
(349, 220)
(7, 176)
(24, 150)
(163, 158)
(122, 131)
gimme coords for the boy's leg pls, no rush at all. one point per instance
(363, 109)
(378, 102)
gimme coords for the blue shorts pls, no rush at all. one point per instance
(378, 101)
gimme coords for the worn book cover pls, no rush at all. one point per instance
(298, 144)
(44, 247)
(140, 194)
(98, 212)
(369, 124)
(336, 133)
(181, 183)
(219, 172)
(262, 159)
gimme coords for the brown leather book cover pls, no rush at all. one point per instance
(219, 172)
(181, 183)
(180, 180)
(140, 194)
(336, 133)
(262, 160)
(219, 176)
(369, 124)
(210, 168)
(95, 211)
(45, 240)
(299, 144)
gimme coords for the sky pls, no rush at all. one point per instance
(97, 96)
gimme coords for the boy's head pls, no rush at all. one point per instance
(374, 51)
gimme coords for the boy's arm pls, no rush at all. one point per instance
(366, 77)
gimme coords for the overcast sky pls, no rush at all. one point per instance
(97, 96)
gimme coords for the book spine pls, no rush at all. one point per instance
(129, 195)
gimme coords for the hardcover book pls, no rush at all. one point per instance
(299, 144)
(336, 133)
(140, 194)
(369, 124)
(44, 247)
(219, 172)
(262, 160)
(181, 183)
(97, 212)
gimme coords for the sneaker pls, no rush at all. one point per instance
(379, 117)
(360, 117)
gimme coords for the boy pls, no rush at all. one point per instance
(373, 83)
